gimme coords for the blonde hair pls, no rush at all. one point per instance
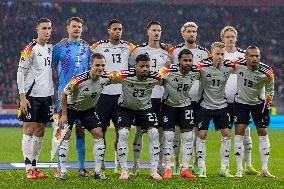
(228, 28)
(218, 44)
(188, 24)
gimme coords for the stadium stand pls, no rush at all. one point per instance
(258, 25)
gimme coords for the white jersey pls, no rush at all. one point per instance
(253, 86)
(199, 53)
(35, 62)
(231, 86)
(177, 85)
(83, 92)
(136, 94)
(212, 83)
(116, 59)
(158, 58)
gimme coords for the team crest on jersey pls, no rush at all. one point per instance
(28, 115)
(102, 85)
(122, 49)
(226, 74)
(241, 73)
(130, 85)
(175, 79)
(256, 78)
(148, 86)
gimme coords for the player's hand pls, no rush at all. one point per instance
(62, 121)
(266, 115)
(64, 40)
(24, 104)
(167, 46)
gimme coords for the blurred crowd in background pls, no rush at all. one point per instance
(262, 26)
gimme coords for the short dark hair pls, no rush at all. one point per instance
(142, 57)
(251, 47)
(77, 19)
(184, 51)
(153, 23)
(42, 20)
(113, 21)
(97, 56)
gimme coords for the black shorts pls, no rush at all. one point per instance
(221, 118)
(243, 111)
(41, 110)
(107, 109)
(88, 118)
(144, 118)
(181, 116)
(156, 106)
(231, 112)
(195, 107)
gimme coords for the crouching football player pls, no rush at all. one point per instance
(79, 99)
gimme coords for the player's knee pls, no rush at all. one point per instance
(123, 134)
(226, 133)
(202, 135)
(79, 130)
(153, 134)
(261, 131)
(187, 137)
(169, 137)
(97, 133)
(39, 130)
(67, 135)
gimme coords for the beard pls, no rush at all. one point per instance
(190, 41)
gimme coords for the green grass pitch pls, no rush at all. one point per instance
(10, 149)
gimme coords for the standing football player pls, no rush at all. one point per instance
(229, 36)
(189, 34)
(35, 84)
(255, 90)
(116, 52)
(159, 56)
(71, 57)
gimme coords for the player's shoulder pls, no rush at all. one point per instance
(98, 43)
(203, 49)
(195, 69)
(154, 75)
(29, 46)
(241, 61)
(207, 62)
(240, 50)
(179, 46)
(227, 63)
(143, 45)
(80, 78)
(265, 69)
(26, 52)
(128, 44)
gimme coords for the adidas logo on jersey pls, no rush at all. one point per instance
(208, 75)
(106, 50)
(87, 89)
(39, 54)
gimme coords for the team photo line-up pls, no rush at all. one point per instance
(169, 92)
